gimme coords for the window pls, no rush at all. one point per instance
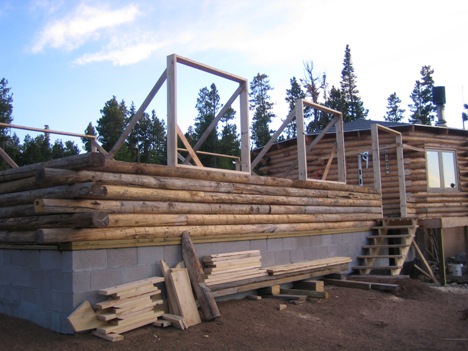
(441, 170)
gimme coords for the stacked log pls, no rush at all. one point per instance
(421, 202)
(89, 201)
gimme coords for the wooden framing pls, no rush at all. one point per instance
(302, 149)
(400, 163)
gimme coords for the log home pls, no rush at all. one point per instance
(421, 172)
(72, 226)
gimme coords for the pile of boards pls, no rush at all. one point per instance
(229, 267)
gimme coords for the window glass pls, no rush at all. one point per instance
(448, 164)
(433, 169)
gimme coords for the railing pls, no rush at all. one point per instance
(92, 138)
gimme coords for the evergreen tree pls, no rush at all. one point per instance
(422, 109)
(159, 136)
(229, 141)
(111, 125)
(60, 150)
(314, 86)
(394, 112)
(465, 115)
(88, 131)
(9, 143)
(207, 105)
(34, 150)
(292, 95)
(354, 105)
(262, 106)
(336, 102)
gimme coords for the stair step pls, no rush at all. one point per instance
(394, 227)
(391, 236)
(388, 246)
(378, 267)
(380, 256)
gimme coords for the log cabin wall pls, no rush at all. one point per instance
(72, 226)
(422, 202)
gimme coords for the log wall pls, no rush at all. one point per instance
(93, 203)
(421, 202)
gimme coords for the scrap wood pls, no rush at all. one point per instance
(130, 286)
(307, 265)
(207, 302)
(176, 321)
(308, 293)
(84, 318)
(362, 284)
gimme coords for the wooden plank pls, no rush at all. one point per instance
(184, 296)
(128, 325)
(188, 147)
(300, 266)
(109, 337)
(162, 323)
(315, 285)
(229, 255)
(206, 300)
(308, 293)
(142, 290)
(176, 321)
(133, 285)
(348, 284)
(171, 298)
(84, 318)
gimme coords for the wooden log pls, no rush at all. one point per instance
(216, 175)
(157, 220)
(81, 190)
(27, 236)
(54, 235)
(158, 207)
(144, 194)
(71, 162)
(206, 300)
(16, 211)
(63, 177)
(75, 220)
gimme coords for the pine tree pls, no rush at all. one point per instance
(465, 115)
(422, 109)
(111, 125)
(314, 86)
(159, 140)
(262, 106)
(207, 105)
(354, 105)
(86, 142)
(229, 143)
(394, 112)
(292, 95)
(336, 102)
(9, 143)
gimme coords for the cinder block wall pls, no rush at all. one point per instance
(46, 286)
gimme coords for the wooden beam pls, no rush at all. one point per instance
(8, 159)
(301, 144)
(134, 120)
(171, 72)
(206, 300)
(188, 147)
(329, 163)
(376, 157)
(245, 129)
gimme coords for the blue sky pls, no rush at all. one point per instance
(64, 59)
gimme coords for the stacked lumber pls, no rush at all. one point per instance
(229, 267)
(87, 199)
(307, 265)
(129, 306)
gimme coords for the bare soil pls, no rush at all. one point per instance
(415, 317)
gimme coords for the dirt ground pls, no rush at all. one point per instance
(416, 317)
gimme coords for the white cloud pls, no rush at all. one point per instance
(121, 56)
(84, 24)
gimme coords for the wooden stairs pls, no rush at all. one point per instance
(388, 248)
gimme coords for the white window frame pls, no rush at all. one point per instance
(442, 171)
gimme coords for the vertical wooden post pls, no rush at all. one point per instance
(340, 154)
(443, 277)
(376, 157)
(401, 176)
(301, 144)
(245, 128)
(172, 110)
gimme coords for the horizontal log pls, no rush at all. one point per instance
(55, 235)
(62, 191)
(144, 194)
(76, 220)
(147, 220)
(157, 207)
(201, 174)
(71, 162)
(7, 236)
(16, 211)
(62, 177)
